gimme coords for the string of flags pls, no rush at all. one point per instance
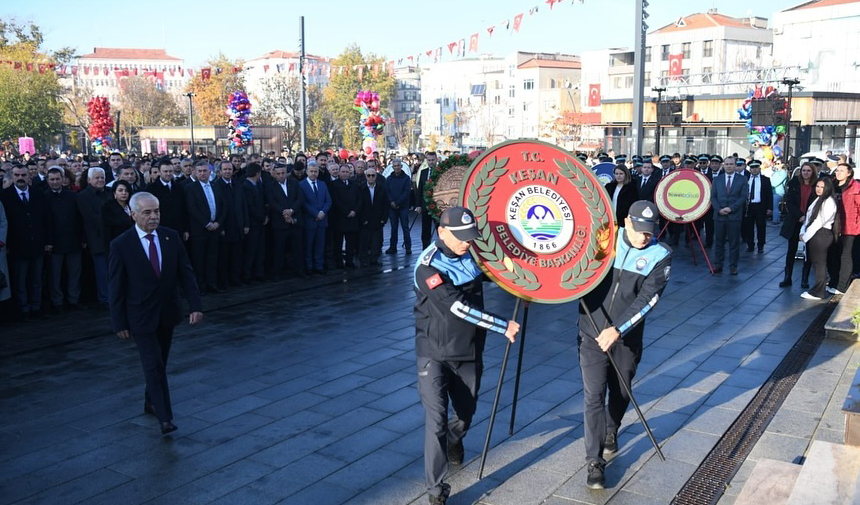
(458, 48)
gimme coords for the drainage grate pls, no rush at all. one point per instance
(708, 482)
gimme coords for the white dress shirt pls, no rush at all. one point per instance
(145, 243)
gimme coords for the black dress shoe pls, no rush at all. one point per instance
(733, 271)
(391, 250)
(761, 250)
(408, 251)
(785, 283)
(595, 475)
(320, 272)
(804, 285)
(718, 270)
(749, 248)
(148, 409)
(168, 427)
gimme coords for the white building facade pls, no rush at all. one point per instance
(282, 65)
(102, 70)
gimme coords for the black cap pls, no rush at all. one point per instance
(582, 156)
(461, 222)
(689, 160)
(665, 157)
(621, 158)
(740, 162)
(717, 158)
(816, 161)
(636, 158)
(704, 157)
(644, 216)
(754, 163)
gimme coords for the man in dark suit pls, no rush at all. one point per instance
(315, 209)
(430, 162)
(147, 265)
(285, 201)
(66, 232)
(759, 207)
(728, 194)
(648, 180)
(27, 240)
(235, 228)
(206, 212)
(374, 214)
(171, 199)
(254, 246)
(346, 208)
(90, 202)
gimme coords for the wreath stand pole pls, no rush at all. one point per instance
(498, 394)
(519, 366)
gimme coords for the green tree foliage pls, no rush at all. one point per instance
(339, 95)
(142, 104)
(30, 101)
(213, 95)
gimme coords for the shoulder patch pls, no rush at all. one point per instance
(428, 255)
(434, 281)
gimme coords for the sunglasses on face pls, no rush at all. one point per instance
(371, 175)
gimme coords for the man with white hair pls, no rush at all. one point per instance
(144, 297)
(90, 202)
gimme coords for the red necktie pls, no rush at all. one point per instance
(153, 254)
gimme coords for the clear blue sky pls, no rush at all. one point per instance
(195, 31)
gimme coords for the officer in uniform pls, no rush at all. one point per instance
(450, 330)
(618, 307)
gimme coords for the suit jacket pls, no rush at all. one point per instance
(277, 202)
(766, 191)
(313, 204)
(140, 300)
(736, 198)
(171, 204)
(423, 177)
(628, 195)
(198, 208)
(255, 203)
(29, 224)
(647, 192)
(115, 221)
(374, 213)
(90, 203)
(346, 198)
(65, 223)
(236, 219)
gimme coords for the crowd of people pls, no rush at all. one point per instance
(242, 218)
(816, 203)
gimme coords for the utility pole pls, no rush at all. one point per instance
(658, 123)
(640, 30)
(304, 119)
(791, 83)
(191, 118)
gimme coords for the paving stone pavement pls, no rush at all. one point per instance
(307, 396)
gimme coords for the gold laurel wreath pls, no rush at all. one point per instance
(488, 247)
(584, 269)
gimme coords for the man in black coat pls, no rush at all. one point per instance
(285, 202)
(206, 210)
(90, 202)
(759, 207)
(235, 227)
(647, 181)
(147, 266)
(66, 230)
(171, 199)
(346, 208)
(374, 214)
(431, 160)
(254, 246)
(27, 240)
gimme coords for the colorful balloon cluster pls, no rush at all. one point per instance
(765, 137)
(101, 123)
(238, 126)
(372, 121)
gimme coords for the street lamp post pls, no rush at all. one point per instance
(791, 83)
(657, 123)
(191, 118)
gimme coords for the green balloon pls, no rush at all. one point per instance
(780, 129)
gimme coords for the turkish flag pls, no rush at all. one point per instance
(451, 47)
(205, 73)
(265, 69)
(675, 61)
(518, 19)
(594, 95)
(473, 43)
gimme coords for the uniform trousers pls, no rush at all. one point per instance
(154, 349)
(437, 382)
(755, 220)
(598, 376)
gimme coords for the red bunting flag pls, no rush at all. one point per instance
(451, 47)
(29, 67)
(181, 72)
(490, 30)
(105, 71)
(594, 95)
(236, 70)
(41, 68)
(74, 70)
(190, 72)
(518, 19)
(473, 43)
(86, 68)
(551, 3)
(429, 53)
(265, 68)
(172, 72)
(205, 73)
(292, 66)
(411, 59)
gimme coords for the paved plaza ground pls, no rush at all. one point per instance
(304, 393)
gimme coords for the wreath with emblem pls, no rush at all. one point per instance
(451, 161)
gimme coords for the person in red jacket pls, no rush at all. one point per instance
(840, 259)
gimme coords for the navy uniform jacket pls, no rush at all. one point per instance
(450, 306)
(140, 300)
(629, 292)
